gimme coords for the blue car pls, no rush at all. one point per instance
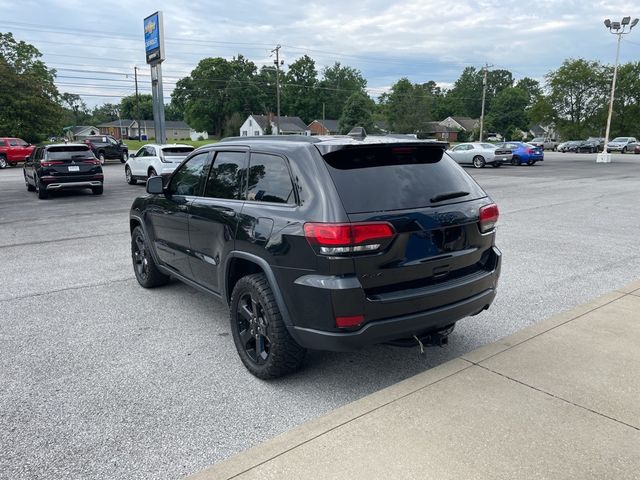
(523, 153)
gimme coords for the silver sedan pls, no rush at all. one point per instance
(479, 154)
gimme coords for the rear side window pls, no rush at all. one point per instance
(226, 177)
(269, 179)
(70, 152)
(386, 177)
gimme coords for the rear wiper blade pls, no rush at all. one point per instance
(448, 196)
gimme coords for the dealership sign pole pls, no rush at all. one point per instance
(154, 49)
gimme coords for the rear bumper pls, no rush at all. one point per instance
(62, 185)
(449, 303)
(394, 328)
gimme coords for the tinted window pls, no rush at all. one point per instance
(13, 142)
(226, 177)
(381, 178)
(269, 179)
(188, 180)
(177, 151)
(70, 152)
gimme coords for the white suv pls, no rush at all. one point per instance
(152, 160)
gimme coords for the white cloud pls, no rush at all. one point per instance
(420, 39)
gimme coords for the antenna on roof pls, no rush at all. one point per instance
(357, 133)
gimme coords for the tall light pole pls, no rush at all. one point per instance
(278, 62)
(484, 96)
(616, 28)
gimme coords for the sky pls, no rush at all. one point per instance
(94, 46)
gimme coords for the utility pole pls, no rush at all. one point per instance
(135, 73)
(484, 96)
(323, 122)
(278, 62)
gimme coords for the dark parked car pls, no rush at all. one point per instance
(106, 147)
(523, 153)
(328, 244)
(591, 145)
(62, 166)
(569, 146)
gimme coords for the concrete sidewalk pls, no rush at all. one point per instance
(560, 399)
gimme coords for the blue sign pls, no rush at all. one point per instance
(153, 41)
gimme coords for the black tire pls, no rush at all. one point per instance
(3, 161)
(144, 266)
(515, 161)
(101, 157)
(497, 164)
(129, 176)
(624, 150)
(123, 157)
(531, 163)
(97, 190)
(30, 188)
(42, 191)
(478, 161)
(152, 173)
(261, 337)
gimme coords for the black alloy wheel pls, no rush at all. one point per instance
(515, 161)
(41, 189)
(30, 187)
(253, 328)
(261, 338)
(144, 266)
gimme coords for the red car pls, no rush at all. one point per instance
(13, 151)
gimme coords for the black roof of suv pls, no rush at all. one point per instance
(322, 242)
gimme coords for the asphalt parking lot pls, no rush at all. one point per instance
(100, 378)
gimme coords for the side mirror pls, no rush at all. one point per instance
(155, 185)
(26, 159)
(131, 155)
(119, 142)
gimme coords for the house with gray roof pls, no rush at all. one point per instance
(324, 127)
(256, 125)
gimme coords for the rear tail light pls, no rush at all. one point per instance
(345, 238)
(488, 217)
(50, 163)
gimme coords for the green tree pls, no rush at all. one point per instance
(299, 92)
(215, 90)
(409, 106)
(104, 113)
(78, 112)
(337, 85)
(626, 105)
(358, 112)
(508, 111)
(531, 87)
(137, 108)
(578, 93)
(28, 96)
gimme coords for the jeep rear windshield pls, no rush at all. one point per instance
(396, 177)
(73, 151)
(177, 151)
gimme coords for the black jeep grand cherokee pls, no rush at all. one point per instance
(323, 243)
